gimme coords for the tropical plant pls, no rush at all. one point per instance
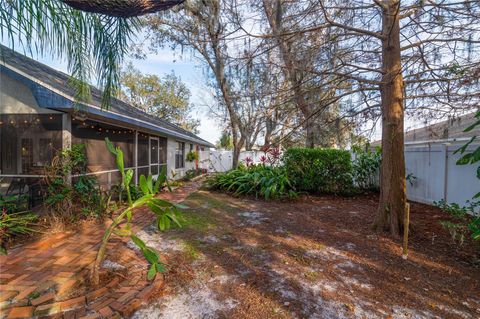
(91, 43)
(192, 156)
(66, 196)
(248, 161)
(365, 167)
(465, 221)
(258, 180)
(271, 155)
(165, 211)
(13, 223)
(14, 203)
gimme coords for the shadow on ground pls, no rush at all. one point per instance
(313, 258)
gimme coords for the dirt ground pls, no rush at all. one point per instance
(316, 257)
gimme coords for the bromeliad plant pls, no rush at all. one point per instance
(165, 211)
(261, 181)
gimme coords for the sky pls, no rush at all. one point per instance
(166, 61)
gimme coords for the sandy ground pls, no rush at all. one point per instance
(313, 258)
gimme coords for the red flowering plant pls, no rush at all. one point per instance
(272, 155)
(248, 161)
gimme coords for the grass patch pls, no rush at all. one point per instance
(311, 275)
(204, 200)
(190, 249)
(192, 219)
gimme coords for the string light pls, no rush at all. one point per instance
(50, 117)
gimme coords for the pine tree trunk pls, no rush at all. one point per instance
(392, 201)
(310, 134)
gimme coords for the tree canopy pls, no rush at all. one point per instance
(167, 98)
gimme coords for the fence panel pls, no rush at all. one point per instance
(437, 176)
(219, 161)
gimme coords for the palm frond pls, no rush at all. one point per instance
(93, 45)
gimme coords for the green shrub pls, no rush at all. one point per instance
(465, 221)
(192, 156)
(14, 219)
(260, 181)
(192, 173)
(365, 167)
(13, 224)
(319, 170)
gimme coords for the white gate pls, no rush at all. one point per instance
(220, 161)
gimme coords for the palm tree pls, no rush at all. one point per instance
(93, 41)
(122, 8)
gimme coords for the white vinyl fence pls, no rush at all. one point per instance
(436, 174)
(432, 165)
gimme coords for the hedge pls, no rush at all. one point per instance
(319, 170)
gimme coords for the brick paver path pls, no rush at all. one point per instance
(44, 278)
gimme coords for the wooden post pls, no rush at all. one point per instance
(406, 225)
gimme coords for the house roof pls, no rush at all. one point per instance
(51, 89)
(450, 129)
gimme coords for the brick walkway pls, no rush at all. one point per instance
(45, 278)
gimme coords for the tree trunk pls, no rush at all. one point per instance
(392, 201)
(236, 156)
(310, 133)
(294, 76)
(122, 8)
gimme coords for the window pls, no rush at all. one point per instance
(180, 155)
(191, 147)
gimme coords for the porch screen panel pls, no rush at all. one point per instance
(163, 153)
(93, 135)
(28, 142)
(143, 160)
(99, 159)
(154, 155)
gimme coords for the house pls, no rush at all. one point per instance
(38, 117)
(451, 129)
